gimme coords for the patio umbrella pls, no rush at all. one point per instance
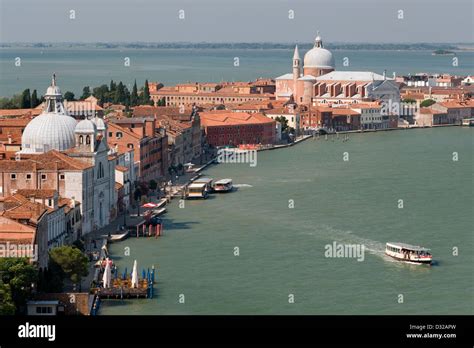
(107, 277)
(135, 275)
(124, 274)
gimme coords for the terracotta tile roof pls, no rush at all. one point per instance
(15, 232)
(118, 128)
(14, 122)
(121, 168)
(344, 112)
(153, 111)
(51, 160)
(28, 210)
(431, 111)
(458, 104)
(36, 193)
(279, 110)
(63, 160)
(67, 204)
(10, 139)
(209, 119)
(14, 201)
(20, 112)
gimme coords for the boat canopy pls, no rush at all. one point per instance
(223, 182)
(407, 246)
(203, 180)
(197, 185)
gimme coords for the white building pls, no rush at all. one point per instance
(290, 113)
(92, 181)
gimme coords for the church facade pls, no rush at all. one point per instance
(316, 82)
(70, 157)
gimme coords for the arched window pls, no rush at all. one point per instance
(130, 146)
(88, 139)
(81, 139)
(100, 173)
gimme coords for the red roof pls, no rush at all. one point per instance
(226, 118)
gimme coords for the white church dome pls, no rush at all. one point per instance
(319, 57)
(53, 90)
(85, 126)
(53, 129)
(48, 131)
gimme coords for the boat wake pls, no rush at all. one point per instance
(373, 247)
(242, 185)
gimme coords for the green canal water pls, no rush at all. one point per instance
(282, 249)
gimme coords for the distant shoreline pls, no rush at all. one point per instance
(243, 45)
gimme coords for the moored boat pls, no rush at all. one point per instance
(223, 185)
(196, 190)
(206, 181)
(408, 253)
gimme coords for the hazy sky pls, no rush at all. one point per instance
(236, 20)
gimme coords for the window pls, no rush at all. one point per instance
(110, 134)
(44, 310)
(119, 135)
(88, 140)
(13, 176)
(43, 176)
(62, 176)
(130, 146)
(100, 173)
(28, 176)
(50, 202)
(81, 139)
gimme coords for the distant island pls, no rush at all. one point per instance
(443, 53)
(434, 47)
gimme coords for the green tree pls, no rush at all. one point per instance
(145, 96)
(134, 95)
(69, 96)
(19, 275)
(120, 96)
(34, 99)
(101, 93)
(86, 92)
(427, 102)
(7, 306)
(71, 261)
(162, 102)
(113, 86)
(284, 123)
(25, 99)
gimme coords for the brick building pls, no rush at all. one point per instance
(234, 128)
(150, 147)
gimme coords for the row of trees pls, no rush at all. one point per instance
(116, 93)
(25, 100)
(424, 104)
(18, 277)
